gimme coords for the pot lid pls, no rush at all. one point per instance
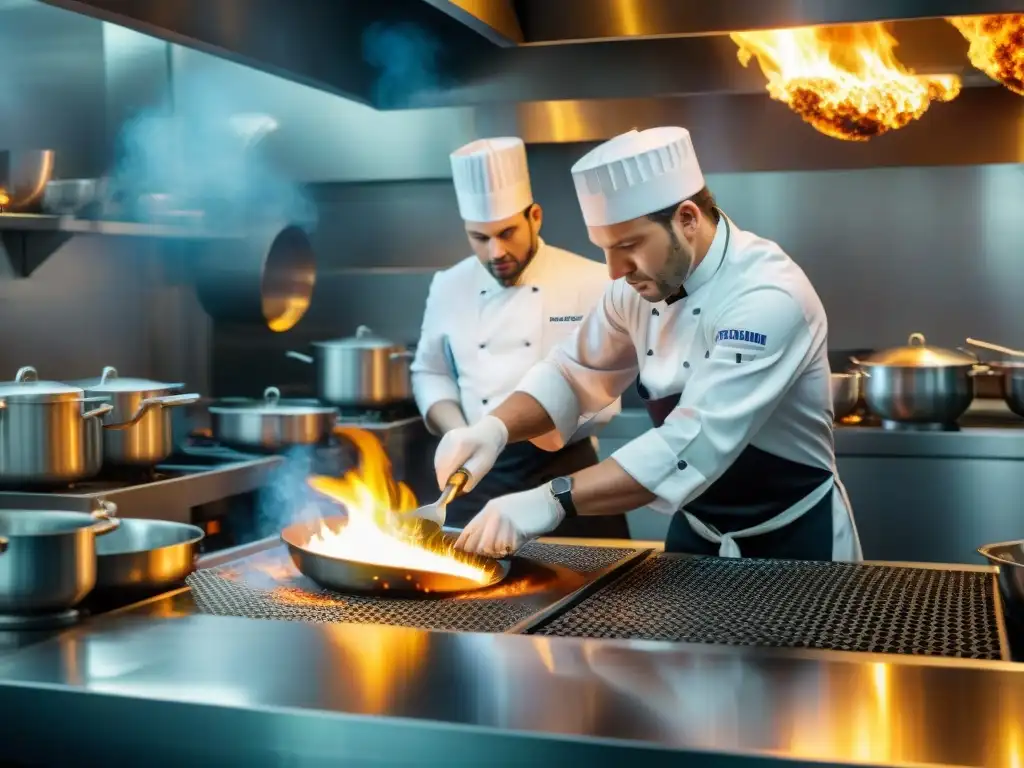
(272, 405)
(109, 381)
(364, 339)
(27, 388)
(919, 354)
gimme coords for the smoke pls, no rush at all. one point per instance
(199, 160)
(408, 58)
(287, 499)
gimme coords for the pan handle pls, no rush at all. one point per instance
(105, 516)
(454, 485)
(299, 356)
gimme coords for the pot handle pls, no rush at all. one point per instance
(405, 354)
(109, 372)
(95, 413)
(106, 517)
(916, 340)
(26, 373)
(166, 401)
(299, 356)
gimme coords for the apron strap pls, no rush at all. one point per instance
(727, 541)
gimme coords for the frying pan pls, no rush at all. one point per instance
(344, 575)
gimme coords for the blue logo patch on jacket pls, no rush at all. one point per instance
(751, 337)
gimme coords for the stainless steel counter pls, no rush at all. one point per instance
(224, 691)
(163, 684)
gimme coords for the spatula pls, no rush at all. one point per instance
(436, 512)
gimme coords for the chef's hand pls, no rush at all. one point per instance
(508, 522)
(475, 447)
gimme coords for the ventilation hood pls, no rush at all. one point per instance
(583, 70)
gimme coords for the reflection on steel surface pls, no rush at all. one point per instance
(290, 685)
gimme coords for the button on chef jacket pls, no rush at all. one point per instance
(746, 347)
(479, 338)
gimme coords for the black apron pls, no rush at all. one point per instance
(757, 487)
(523, 466)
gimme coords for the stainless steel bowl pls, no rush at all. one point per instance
(1009, 557)
(146, 555)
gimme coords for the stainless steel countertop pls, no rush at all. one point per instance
(234, 690)
(166, 684)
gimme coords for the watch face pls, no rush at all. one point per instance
(561, 485)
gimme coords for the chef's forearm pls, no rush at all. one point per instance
(606, 489)
(444, 416)
(524, 417)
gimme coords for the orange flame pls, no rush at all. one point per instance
(845, 80)
(997, 46)
(377, 529)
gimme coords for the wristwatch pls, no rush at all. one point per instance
(561, 489)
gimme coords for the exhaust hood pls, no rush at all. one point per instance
(583, 70)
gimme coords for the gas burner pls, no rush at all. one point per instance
(38, 621)
(900, 426)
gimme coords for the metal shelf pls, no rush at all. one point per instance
(30, 239)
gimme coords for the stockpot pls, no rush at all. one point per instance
(364, 370)
(50, 433)
(137, 431)
(918, 383)
(270, 423)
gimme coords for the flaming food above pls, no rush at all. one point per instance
(379, 529)
(843, 80)
(997, 46)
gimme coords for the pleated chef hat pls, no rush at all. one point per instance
(635, 174)
(492, 181)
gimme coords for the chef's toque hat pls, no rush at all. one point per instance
(635, 174)
(492, 180)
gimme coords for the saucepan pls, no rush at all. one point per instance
(354, 576)
(845, 393)
(919, 383)
(270, 423)
(49, 557)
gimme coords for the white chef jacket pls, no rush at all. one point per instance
(479, 337)
(746, 348)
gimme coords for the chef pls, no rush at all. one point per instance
(491, 317)
(725, 339)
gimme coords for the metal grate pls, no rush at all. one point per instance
(268, 586)
(794, 604)
(575, 558)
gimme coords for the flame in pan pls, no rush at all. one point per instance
(377, 530)
(843, 80)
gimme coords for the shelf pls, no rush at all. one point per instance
(30, 239)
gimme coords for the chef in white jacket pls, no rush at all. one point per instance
(494, 315)
(726, 340)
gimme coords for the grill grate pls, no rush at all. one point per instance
(268, 586)
(794, 604)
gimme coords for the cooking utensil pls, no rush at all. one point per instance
(1008, 556)
(271, 423)
(918, 383)
(995, 347)
(839, 359)
(24, 174)
(364, 370)
(45, 437)
(352, 576)
(1009, 378)
(845, 393)
(437, 511)
(266, 278)
(138, 428)
(145, 556)
(50, 561)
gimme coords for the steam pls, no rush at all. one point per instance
(287, 499)
(409, 60)
(199, 160)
